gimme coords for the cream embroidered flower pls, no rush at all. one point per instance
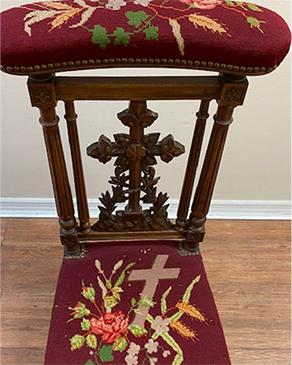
(133, 349)
(115, 4)
(151, 346)
(166, 353)
(160, 325)
(153, 360)
(131, 360)
(142, 2)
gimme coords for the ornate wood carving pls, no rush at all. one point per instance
(134, 180)
(71, 245)
(233, 91)
(42, 91)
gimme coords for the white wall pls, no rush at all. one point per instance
(256, 164)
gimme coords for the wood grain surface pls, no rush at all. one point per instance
(248, 266)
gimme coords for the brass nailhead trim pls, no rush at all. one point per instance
(67, 66)
(82, 254)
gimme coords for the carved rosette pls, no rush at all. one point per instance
(134, 180)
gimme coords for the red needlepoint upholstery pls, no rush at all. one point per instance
(135, 304)
(218, 35)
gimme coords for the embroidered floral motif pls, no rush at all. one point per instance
(106, 331)
(143, 21)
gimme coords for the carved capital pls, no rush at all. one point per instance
(71, 245)
(42, 92)
(233, 91)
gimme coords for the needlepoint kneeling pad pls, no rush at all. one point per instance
(131, 305)
(218, 35)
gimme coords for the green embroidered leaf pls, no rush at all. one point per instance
(176, 317)
(89, 362)
(80, 310)
(147, 302)
(100, 37)
(76, 342)
(163, 304)
(188, 291)
(241, 4)
(254, 7)
(151, 32)
(179, 358)
(110, 301)
(150, 319)
(85, 324)
(254, 23)
(229, 2)
(137, 331)
(91, 341)
(106, 353)
(121, 36)
(136, 18)
(88, 292)
(117, 289)
(116, 292)
(120, 344)
(133, 302)
(122, 276)
(108, 284)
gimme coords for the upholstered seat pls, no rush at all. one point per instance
(219, 35)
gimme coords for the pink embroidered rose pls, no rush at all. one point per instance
(110, 326)
(203, 4)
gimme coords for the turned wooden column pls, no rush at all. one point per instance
(192, 165)
(232, 94)
(42, 95)
(81, 196)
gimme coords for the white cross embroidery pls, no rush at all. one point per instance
(151, 278)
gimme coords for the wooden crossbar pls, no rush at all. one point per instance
(137, 88)
(130, 235)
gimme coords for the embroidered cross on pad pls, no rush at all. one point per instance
(151, 278)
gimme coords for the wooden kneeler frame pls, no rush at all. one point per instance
(135, 154)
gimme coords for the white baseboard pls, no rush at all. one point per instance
(220, 209)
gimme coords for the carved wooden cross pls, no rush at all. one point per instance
(135, 152)
(151, 278)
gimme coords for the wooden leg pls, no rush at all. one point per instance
(233, 93)
(42, 96)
